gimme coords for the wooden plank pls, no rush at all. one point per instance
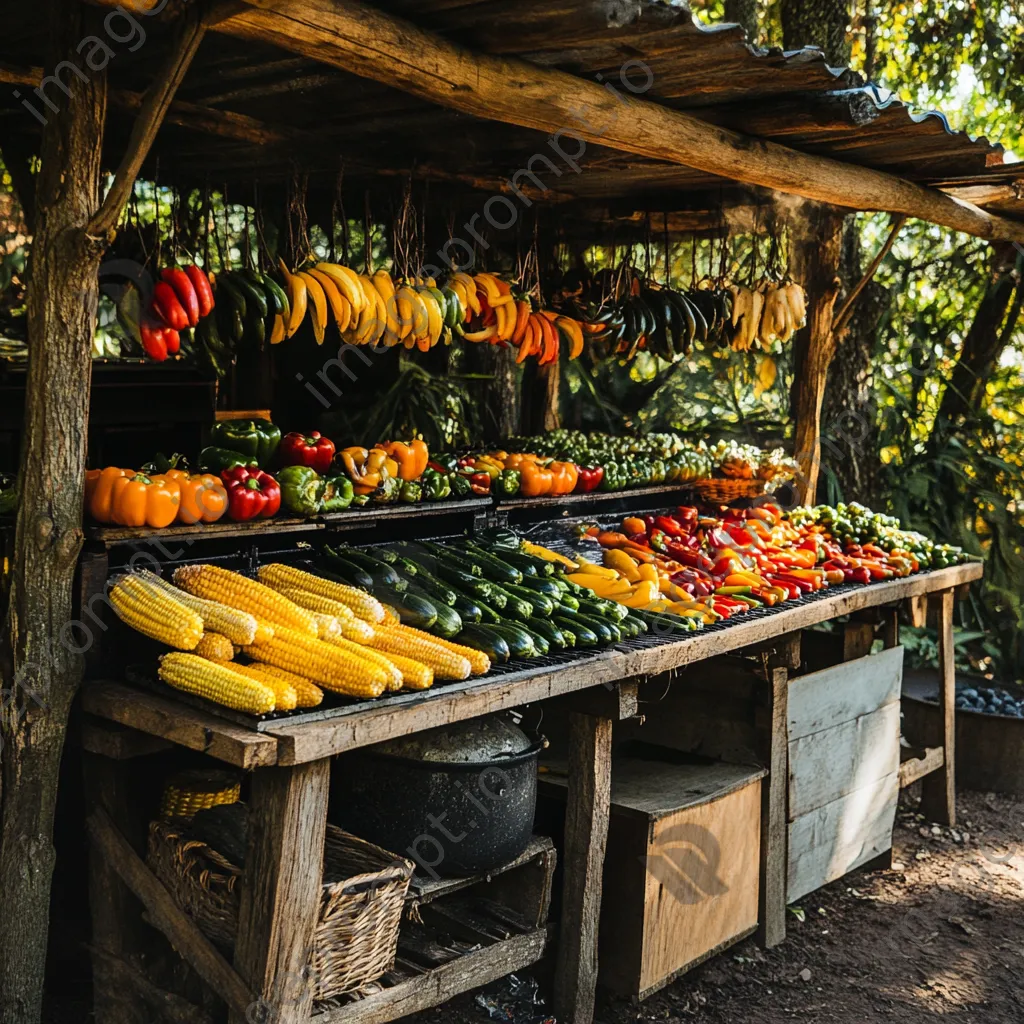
(702, 881)
(117, 743)
(844, 692)
(187, 939)
(586, 837)
(771, 912)
(311, 741)
(914, 768)
(370, 43)
(829, 764)
(938, 797)
(919, 611)
(618, 702)
(858, 638)
(833, 840)
(179, 724)
(443, 983)
(281, 889)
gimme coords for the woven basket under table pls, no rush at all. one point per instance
(720, 492)
(361, 903)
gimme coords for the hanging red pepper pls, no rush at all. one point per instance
(153, 340)
(167, 307)
(251, 493)
(311, 450)
(204, 293)
(184, 291)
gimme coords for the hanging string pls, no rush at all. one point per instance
(156, 211)
(368, 232)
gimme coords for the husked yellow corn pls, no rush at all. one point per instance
(358, 630)
(478, 661)
(325, 663)
(215, 647)
(366, 606)
(384, 661)
(217, 682)
(315, 603)
(156, 614)
(308, 693)
(264, 632)
(238, 626)
(391, 617)
(446, 664)
(415, 675)
(217, 584)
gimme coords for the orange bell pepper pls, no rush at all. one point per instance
(99, 491)
(204, 498)
(517, 459)
(565, 476)
(535, 480)
(411, 459)
(139, 500)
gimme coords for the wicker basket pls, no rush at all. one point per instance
(721, 492)
(361, 903)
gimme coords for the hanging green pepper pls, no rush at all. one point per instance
(436, 486)
(256, 438)
(301, 489)
(337, 494)
(507, 483)
(411, 492)
(460, 485)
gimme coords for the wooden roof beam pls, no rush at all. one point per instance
(578, 112)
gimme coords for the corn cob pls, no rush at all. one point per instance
(217, 584)
(264, 632)
(315, 603)
(384, 661)
(197, 789)
(216, 682)
(358, 630)
(328, 665)
(285, 696)
(445, 663)
(327, 626)
(391, 617)
(215, 647)
(478, 661)
(415, 675)
(308, 693)
(364, 605)
(239, 627)
(158, 615)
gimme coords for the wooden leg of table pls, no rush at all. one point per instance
(586, 837)
(774, 814)
(890, 627)
(116, 921)
(280, 897)
(938, 797)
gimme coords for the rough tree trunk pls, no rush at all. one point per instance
(848, 409)
(42, 666)
(816, 245)
(985, 340)
(821, 23)
(498, 396)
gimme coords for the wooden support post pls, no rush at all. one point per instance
(938, 796)
(774, 817)
(586, 837)
(281, 891)
(890, 627)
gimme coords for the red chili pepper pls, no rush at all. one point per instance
(311, 450)
(251, 493)
(153, 340)
(184, 290)
(685, 554)
(167, 307)
(204, 293)
(480, 483)
(172, 339)
(670, 526)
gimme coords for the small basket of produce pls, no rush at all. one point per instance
(362, 897)
(198, 789)
(719, 491)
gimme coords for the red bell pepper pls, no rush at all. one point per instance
(311, 450)
(589, 478)
(480, 483)
(251, 493)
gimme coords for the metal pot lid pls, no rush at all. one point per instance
(480, 739)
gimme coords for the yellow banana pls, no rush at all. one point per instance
(378, 320)
(297, 299)
(341, 308)
(470, 286)
(435, 319)
(318, 307)
(348, 282)
(277, 331)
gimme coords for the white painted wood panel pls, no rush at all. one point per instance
(834, 839)
(827, 765)
(844, 692)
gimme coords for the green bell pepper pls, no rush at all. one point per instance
(448, 462)
(410, 492)
(460, 485)
(301, 490)
(216, 460)
(337, 494)
(507, 483)
(360, 499)
(436, 486)
(257, 439)
(388, 490)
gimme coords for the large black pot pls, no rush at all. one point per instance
(452, 818)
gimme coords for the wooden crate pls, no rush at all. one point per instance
(681, 871)
(844, 759)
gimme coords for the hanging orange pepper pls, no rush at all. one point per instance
(411, 459)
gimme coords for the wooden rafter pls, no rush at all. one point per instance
(378, 46)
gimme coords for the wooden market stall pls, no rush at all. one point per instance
(645, 112)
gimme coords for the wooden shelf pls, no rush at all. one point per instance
(919, 763)
(592, 497)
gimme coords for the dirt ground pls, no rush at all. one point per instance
(938, 938)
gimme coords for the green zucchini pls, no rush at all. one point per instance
(540, 643)
(514, 606)
(437, 589)
(464, 581)
(450, 557)
(380, 571)
(583, 636)
(488, 614)
(543, 585)
(448, 623)
(524, 563)
(500, 537)
(491, 566)
(603, 609)
(388, 555)
(606, 631)
(547, 629)
(351, 574)
(413, 609)
(520, 643)
(567, 635)
(637, 623)
(468, 609)
(540, 604)
(480, 638)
